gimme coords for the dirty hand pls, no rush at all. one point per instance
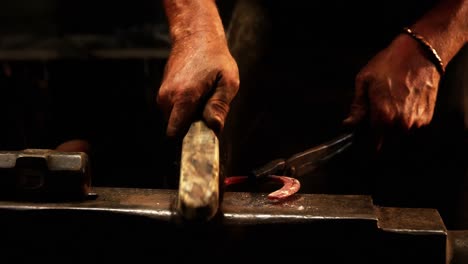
(200, 75)
(396, 90)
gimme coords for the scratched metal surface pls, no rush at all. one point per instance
(119, 223)
(248, 208)
(237, 206)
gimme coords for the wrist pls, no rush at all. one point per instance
(193, 19)
(446, 43)
(429, 51)
(198, 37)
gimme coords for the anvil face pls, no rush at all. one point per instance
(142, 224)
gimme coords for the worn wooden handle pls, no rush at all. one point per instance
(198, 196)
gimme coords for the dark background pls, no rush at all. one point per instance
(297, 65)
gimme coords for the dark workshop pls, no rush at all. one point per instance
(179, 130)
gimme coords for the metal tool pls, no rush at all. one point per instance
(38, 174)
(323, 228)
(304, 163)
(198, 196)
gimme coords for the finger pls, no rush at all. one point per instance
(381, 123)
(217, 106)
(164, 102)
(428, 112)
(387, 128)
(377, 131)
(382, 136)
(406, 122)
(181, 114)
(359, 106)
(419, 116)
(75, 145)
(379, 140)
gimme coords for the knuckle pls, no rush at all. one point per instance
(234, 83)
(162, 94)
(162, 98)
(231, 79)
(362, 77)
(359, 80)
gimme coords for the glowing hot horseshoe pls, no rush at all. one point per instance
(289, 188)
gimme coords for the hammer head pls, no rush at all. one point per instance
(37, 174)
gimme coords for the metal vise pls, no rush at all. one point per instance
(44, 174)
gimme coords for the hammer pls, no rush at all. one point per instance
(38, 174)
(198, 194)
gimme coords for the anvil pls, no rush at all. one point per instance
(141, 224)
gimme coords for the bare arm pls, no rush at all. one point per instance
(189, 17)
(445, 27)
(200, 72)
(397, 89)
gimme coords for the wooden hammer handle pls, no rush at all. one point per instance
(198, 196)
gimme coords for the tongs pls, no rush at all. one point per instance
(286, 171)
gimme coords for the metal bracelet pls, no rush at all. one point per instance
(434, 56)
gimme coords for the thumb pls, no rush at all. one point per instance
(359, 106)
(218, 105)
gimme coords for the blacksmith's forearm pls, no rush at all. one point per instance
(445, 27)
(189, 17)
